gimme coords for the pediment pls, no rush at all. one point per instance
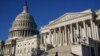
(68, 16)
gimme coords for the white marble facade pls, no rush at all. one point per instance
(27, 46)
(73, 29)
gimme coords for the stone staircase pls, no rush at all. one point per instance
(61, 51)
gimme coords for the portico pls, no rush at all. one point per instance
(72, 29)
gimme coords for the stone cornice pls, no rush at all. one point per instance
(29, 38)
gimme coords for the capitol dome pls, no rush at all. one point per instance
(23, 25)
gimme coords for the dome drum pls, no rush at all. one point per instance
(22, 33)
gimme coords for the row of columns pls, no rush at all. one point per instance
(23, 33)
(8, 50)
(29, 24)
(72, 34)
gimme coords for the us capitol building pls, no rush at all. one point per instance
(72, 34)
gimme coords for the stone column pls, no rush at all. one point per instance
(97, 32)
(54, 37)
(65, 35)
(85, 31)
(50, 36)
(71, 34)
(41, 38)
(44, 38)
(21, 33)
(78, 35)
(97, 37)
(11, 34)
(15, 33)
(30, 33)
(74, 35)
(27, 32)
(92, 32)
(69, 39)
(59, 36)
(24, 33)
(18, 32)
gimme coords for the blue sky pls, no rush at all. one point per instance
(43, 11)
